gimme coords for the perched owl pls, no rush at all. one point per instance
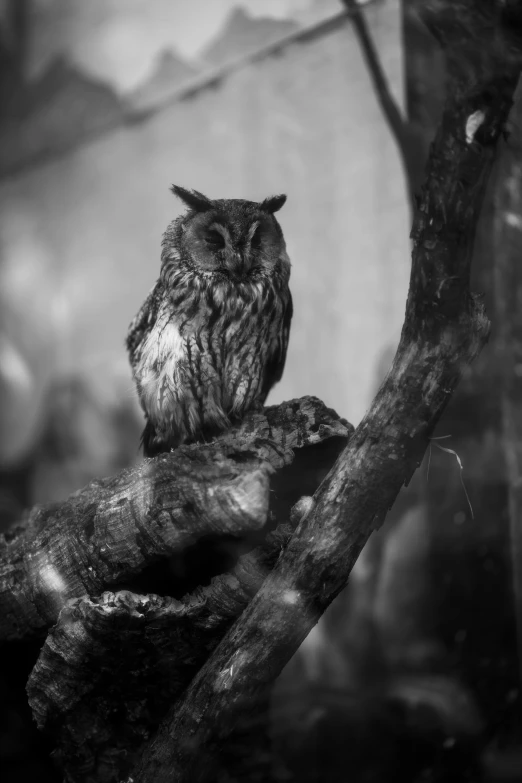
(211, 338)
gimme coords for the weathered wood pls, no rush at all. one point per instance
(114, 663)
(123, 654)
(112, 529)
(445, 328)
(108, 531)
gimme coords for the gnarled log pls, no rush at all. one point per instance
(114, 663)
(113, 528)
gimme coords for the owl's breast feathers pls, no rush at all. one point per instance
(143, 323)
(204, 352)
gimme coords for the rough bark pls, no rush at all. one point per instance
(115, 662)
(444, 330)
(115, 527)
(508, 295)
(112, 666)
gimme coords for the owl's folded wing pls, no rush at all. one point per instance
(276, 363)
(143, 323)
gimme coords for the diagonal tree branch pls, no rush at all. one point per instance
(444, 330)
(399, 126)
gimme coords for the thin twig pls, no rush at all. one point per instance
(399, 126)
(451, 451)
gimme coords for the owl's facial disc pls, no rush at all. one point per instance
(234, 239)
(214, 248)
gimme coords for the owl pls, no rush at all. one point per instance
(211, 339)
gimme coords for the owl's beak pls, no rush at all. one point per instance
(236, 264)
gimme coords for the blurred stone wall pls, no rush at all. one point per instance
(80, 232)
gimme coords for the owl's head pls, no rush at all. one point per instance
(227, 238)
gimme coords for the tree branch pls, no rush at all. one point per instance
(112, 529)
(122, 653)
(444, 330)
(399, 126)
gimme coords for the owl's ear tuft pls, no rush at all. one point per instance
(273, 203)
(192, 198)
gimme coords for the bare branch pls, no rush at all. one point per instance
(399, 126)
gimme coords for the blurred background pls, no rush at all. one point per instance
(104, 104)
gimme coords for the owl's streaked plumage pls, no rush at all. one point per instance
(211, 338)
